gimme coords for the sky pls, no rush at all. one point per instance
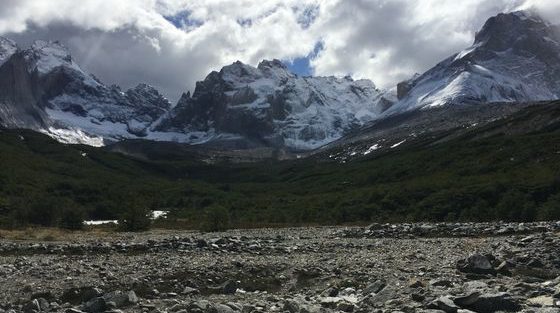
(171, 44)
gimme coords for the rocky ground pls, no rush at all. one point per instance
(381, 268)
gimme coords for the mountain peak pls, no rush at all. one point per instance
(515, 58)
(516, 30)
(275, 63)
(48, 55)
(7, 48)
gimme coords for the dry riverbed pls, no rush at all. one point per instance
(381, 268)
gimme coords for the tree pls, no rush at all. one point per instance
(72, 218)
(516, 206)
(550, 210)
(135, 218)
(216, 218)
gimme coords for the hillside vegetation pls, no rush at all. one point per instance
(483, 175)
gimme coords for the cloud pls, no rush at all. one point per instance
(173, 43)
(388, 41)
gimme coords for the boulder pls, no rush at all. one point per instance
(492, 302)
(476, 263)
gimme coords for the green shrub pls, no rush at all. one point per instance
(72, 218)
(135, 219)
(550, 210)
(216, 218)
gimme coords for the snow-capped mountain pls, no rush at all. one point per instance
(270, 105)
(7, 49)
(42, 88)
(514, 58)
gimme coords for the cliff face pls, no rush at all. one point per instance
(272, 106)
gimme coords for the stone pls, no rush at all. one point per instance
(44, 304)
(541, 301)
(445, 304)
(200, 306)
(32, 306)
(222, 308)
(441, 283)
(345, 306)
(79, 295)
(476, 263)
(467, 300)
(375, 287)
(95, 305)
(503, 268)
(229, 287)
(121, 299)
(291, 306)
(535, 263)
(476, 285)
(235, 306)
(330, 292)
(201, 243)
(493, 302)
(190, 291)
(415, 283)
(45, 295)
(418, 297)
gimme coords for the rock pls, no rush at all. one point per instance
(32, 306)
(503, 268)
(222, 308)
(418, 297)
(79, 295)
(441, 283)
(202, 305)
(291, 306)
(472, 286)
(43, 304)
(375, 287)
(190, 291)
(73, 310)
(345, 306)
(95, 305)
(415, 283)
(535, 263)
(488, 303)
(445, 304)
(121, 299)
(330, 292)
(229, 287)
(465, 301)
(476, 263)
(235, 306)
(541, 301)
(45, 295)
(201, 243)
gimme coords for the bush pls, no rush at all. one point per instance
(216, 218)
(72, 218)
(550, 210)
(135, 219)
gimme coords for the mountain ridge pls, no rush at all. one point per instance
(515, 57)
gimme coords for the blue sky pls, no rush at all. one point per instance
(302, 65)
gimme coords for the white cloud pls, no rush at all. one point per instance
(131, 41)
